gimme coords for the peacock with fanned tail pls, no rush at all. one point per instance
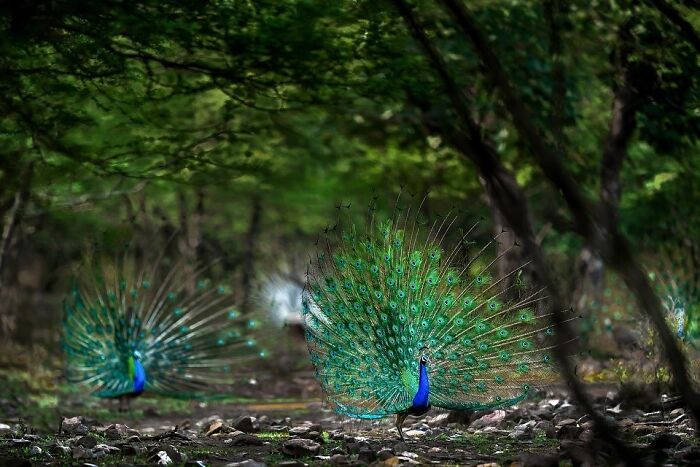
(395, 324)
(128, 329)
(677, 279)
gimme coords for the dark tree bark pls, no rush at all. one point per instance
(504, 190)
(606, 239)
(251, 241)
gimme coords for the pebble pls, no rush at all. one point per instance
(241, 439)
(81, 453)
(119, 431)
(214, 427)
(107, 448)
(35, 451)
(73, 426)
(60, 449)
(162, 458)
(493, 419)
(339, 459)
(5, 429)
(87, 441)
(247, 424)
(366, 455)
(385, 453)
(300, 447)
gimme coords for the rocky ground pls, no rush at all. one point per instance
(547, 430)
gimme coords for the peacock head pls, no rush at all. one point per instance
(424, 357)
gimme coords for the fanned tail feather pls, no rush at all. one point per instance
(190, 342)
(375, 300)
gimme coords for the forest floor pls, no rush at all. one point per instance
(41, 428)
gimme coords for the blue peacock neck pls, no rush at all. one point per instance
(421, 400)
(138, 375)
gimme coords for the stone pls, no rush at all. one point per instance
(339, 459)
(215, 427)
(119, 431)
(385, 453)
(548, 428)
(21, 442)
(162, 458)
(366, 455)
(73, 426)
(5, 429)
(87, 441)
(492, 419)
(247, 463)
(354, 448)
(569, 432)
(35, 451)
(400, 447)
(439, 420)
(133, 449)
(520, 435)
(247, 424)
(242, 439)
(298, 447)
(567, 421)
(414, 433)
(338, 450)
(291, 464)
(60, 450)
(78, 452)
(107, 448)
(171, 452)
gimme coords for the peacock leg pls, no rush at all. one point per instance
(400, 417)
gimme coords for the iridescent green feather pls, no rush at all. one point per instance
(374, 300)
(190, 340)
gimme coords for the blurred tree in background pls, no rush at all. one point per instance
(236, 127)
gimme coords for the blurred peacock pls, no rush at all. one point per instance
(677, 277)
(128, 329)
(395, 324)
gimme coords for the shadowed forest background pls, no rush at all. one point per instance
(235, 131)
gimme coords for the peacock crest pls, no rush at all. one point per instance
(377, 300)
(129, 328)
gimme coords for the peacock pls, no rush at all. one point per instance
(128, 329)
(678, 284)
(396, 325)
